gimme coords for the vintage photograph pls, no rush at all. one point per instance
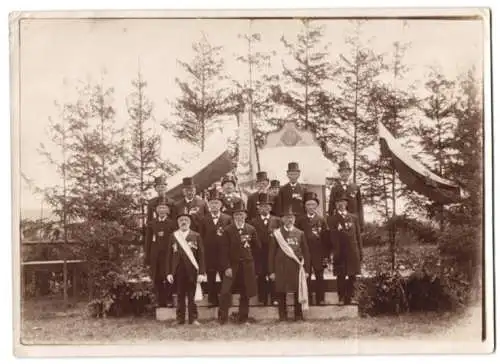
(190, 179)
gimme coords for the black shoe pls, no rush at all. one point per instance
(299, 318)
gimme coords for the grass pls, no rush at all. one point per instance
(45, 323)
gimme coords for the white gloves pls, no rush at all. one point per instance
(170, 278)
(201, 278)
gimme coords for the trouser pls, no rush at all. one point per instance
(212, 289)
(163, 292)
(345, 288)
(226, 296)
(265, 290)
(186, 289)
(282, 311)
(319, 286)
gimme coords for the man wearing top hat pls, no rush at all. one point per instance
(212, 232)
(262, 184)
(229, 197)
(343, 185)
(289, 265)
(195, 205)
(238, 261)
(160, 185)
(314, 227)
(186, 267)
(157, 240)
(292, 194)
(345, 238)
(274, 189)
(265, 224)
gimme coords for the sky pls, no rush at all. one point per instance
(57, 54)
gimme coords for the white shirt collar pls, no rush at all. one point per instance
(215, 216)
(265, 216)
(161, 219)
(188, 201)
(294, 184)
(288, 229)
(239, 227)
(184, 233)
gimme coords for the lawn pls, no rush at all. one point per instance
(45, 323)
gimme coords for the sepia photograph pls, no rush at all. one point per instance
(241, 182)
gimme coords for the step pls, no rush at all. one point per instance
(268, 313)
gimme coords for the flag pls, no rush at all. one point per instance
(414, 174)
(247, 155)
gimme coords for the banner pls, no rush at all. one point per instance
(247, 155)
(414, 174)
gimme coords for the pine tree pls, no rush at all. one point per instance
(204, 99)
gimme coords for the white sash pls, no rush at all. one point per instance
(198, 296)
(302, 292)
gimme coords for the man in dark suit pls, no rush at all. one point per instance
(289, 265)
(345, 237)
(343, 185)
(292, 194)
(274, 189)
(212, 232)
(195, 205)
(157, 241)
(229, 197)
(160, 184)
(265, 224)
(186, 266)
(314, 227)
(238, 262)
(262, 184)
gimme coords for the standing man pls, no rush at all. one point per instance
(238, 262)
(262, 185)
(345, 237)
(195, 205)
(314, 227)
(157, 241)
(212, 232)
(343, 185)
(229, 199)
(186, 266)
(265, 224)
(292, 194)
(289, 265)
(160, 184)
(274, 189)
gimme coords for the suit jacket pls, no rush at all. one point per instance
(213, 239)
(355, 203)
(176, 255)
(286, 269)
(264, 232)
(293, 196)
(156, 245)
(197, 208)
(345, 238)
(252, 206)
(229, 203)
(151, 212)
(316, 232)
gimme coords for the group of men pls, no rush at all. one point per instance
(268, 247)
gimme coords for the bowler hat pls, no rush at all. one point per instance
(262, 176)
(344, 165)
(293, 167)
(188, 182)
(160, 180)
(214, 194)
(275, 183)
(239, 206)
(311, 196)
(264, 199)
(228, 179)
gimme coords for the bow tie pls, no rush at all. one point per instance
(215, 217)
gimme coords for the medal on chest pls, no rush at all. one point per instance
(245, 239)
(194, 210)
(192, 244)
(220, 230)
(292, 241)
(174, 247)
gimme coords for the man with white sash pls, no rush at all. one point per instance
(289, 265)
(186, 266)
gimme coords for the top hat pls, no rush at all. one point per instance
(344, 165)
(187, 182)
(160, 180)
(275, 183)
(264, 199)
(293, 167)
(213, 194)
(341, 196)
(228, 179)
(262, 176)
(288, 211)
(239, 206)
(311, 196)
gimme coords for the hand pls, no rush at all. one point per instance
(200, 278)
(307, 275)
(228, 272)
(170, 279)
(272, 276)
